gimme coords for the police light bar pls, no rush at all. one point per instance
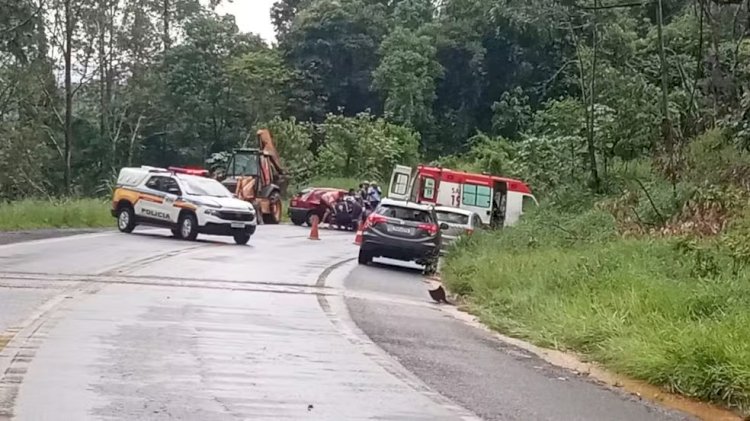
(189, 171)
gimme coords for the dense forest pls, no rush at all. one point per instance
(553, 91)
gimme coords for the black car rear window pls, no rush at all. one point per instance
(406, 214)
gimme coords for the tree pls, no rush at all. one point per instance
(365, 146)
(333, 47)
(406, 77)
(259, 78)
(209, 115)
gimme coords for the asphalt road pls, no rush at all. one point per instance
(469, 366)
(109, 326)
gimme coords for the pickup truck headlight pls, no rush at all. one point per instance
(212, 212)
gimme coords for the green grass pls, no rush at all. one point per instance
(638, 306)
(67, 213)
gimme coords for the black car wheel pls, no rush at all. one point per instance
(297, 220)
(430, 267)
(176, 233)
(364, 258)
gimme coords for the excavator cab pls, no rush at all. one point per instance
(256, 176)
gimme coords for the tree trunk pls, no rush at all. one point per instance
(102, 73)
(68, 52)
(592, 118)
(166, 17)
(666, 124)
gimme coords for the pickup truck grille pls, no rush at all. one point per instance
(236, 216)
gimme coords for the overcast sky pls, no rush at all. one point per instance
(252, 16)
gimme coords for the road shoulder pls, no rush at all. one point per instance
(13, 237)
(470, 366)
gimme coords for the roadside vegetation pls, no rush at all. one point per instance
(651, 280)
(67, 213)
(630, 121)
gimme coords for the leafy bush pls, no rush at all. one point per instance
(364, 147)
(293, 141)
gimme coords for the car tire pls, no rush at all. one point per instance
(188, 227)
(275, 205)
(126, 219)
(241, 238)
(176, 233)
(430, 267)
(309, 218)
(364, 257)
(298, 221)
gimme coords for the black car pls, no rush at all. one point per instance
(402, 231)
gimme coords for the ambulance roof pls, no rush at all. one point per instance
(446, 173)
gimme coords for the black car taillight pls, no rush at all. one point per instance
(432, 229)
(373, 220)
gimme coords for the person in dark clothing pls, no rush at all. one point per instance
(363, 190)
(356, 211)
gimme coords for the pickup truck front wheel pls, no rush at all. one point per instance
(241, 238)
(188, 227)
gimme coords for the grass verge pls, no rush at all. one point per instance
(66, 213)
(645, 308)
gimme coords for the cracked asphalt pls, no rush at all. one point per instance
(108, 326)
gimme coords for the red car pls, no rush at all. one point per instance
(306, 203)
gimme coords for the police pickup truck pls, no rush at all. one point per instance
(187, 204)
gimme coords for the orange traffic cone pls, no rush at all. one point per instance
(358, 237)
(314, 235)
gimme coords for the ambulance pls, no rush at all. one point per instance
(498, 201)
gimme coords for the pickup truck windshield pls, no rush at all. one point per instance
(205, 187)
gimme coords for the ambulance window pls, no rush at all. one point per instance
(400, 184)
(528, 203)
(428, 188)
(476, 195)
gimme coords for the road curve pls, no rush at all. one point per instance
(493, 379)
(109, 326)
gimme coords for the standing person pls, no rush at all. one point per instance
(363, 188)
(373, 195)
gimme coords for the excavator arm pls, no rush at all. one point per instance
(267, 146)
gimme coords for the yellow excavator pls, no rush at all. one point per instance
(257, 176)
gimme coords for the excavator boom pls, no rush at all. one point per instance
(267, 146)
